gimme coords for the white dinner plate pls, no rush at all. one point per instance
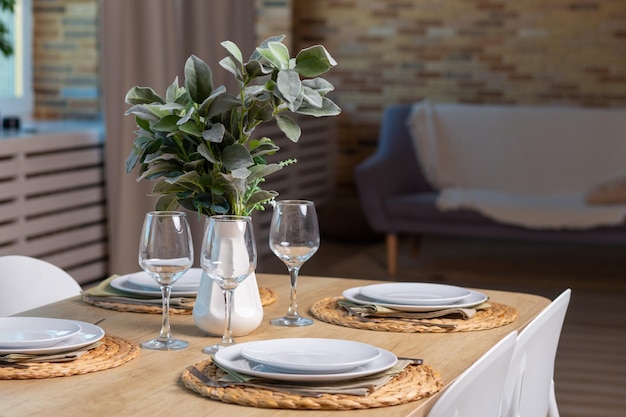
(34, 332)
(475, 298)
(415, 293)
(89, 333)
(141, 283)
(231, 358)
(310, 355)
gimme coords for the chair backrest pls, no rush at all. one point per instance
(529, 388)
(27, 282)
(477, 392)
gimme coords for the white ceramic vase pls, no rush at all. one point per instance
(247, 312)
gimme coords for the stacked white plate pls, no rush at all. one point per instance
(141, 283)
(415, 296)
(40, 335)
(305, 359)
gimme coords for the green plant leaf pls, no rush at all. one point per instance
(234, 50)
(142, 95)
(311, 96)
(160, 156)
(236, 156)
(329, 108)
(166, 124)
(320, 85)
(289, 85)
(191, 128)
(215, 133)
(142, 112)
(223, 103)
(198, 79)
(261, 171)
(255, 69)
(159, 170)
(167, 203)
(203, 150)
(256, 55)
(172, 92)
(261, 110)
(264, 146)
(314, 61)
(260, 197)
(280, 51)
(229, 65)
(165, 187)
(270, 58)
(289, 127)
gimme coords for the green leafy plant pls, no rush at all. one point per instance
(196, 142)
(6, 46)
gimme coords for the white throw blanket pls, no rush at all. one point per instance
(522, 165)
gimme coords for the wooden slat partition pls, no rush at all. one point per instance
(52, 200)
(311, 178)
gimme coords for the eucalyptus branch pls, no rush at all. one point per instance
(222, 169)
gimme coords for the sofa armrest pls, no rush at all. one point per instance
(392, 170)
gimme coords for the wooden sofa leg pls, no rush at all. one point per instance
(392, 254)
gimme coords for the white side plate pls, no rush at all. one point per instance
(144, 285)
(34, 332)
(475, 298)
(310, 355)
(415, 293)
(231, 358)
(89, 333)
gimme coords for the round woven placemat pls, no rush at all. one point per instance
(414, 383)
(113, 351)
(268, 296)
(497, 315)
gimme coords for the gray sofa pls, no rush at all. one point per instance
(397, 199)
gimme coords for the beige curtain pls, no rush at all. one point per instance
(146, 43)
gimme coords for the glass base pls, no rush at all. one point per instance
(292, 321)
(213, 349)
(171, 344)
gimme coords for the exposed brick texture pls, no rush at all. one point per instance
(66, 77)
(532, 52)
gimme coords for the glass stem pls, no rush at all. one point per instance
(292, 312)
(165, 334)
(229, 295)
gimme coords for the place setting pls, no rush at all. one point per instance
(414, 307)
(138, 292)
(311, 373)
(41, 347)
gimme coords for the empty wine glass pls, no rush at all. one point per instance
(165, 253)
(228, 257)
(294, 238)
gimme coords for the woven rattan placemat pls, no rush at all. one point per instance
(112, 352)
(497, 315)
(268, 296)
(414, 383)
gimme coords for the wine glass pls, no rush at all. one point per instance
(228, 257)
(294, 238)
(165, 253)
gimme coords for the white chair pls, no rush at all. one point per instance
(529, 388)
(27, 282)
(477, 392)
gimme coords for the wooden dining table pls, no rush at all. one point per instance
(150, 384)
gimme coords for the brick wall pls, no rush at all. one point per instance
(65, 59)
(536, 52)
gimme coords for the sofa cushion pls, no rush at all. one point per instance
(423, 207)
(528, 166)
